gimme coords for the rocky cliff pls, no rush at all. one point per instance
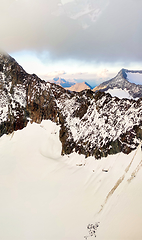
(93, 124)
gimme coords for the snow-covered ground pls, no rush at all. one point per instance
(46, 196)
(116, 92)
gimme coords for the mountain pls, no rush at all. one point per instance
(121, 82)
(52, 186)
(62, 82)
(78, 87)
(48, 196)
(91, 123)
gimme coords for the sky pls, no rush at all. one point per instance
(87, 40)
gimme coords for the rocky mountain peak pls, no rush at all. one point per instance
(122, 73)
(121, 81)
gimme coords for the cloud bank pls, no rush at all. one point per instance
(100, 30)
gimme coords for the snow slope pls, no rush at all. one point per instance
(116, 92)
(48, 196)
(121, 217)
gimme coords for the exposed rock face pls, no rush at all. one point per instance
(93, 124)
(121, 82)
(107, 125)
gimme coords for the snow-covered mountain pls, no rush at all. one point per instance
(93, 124)
(78, 87)
(48, 195)
(124, 82)
(62, 82)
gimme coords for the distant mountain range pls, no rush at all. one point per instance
(71, 85)
(78, 87)
(119, 86)
(121, 82)
(62, 82)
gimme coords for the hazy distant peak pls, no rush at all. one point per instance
(62, 82)
(78, 87)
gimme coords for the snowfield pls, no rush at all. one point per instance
(116, 92)
(46, 196)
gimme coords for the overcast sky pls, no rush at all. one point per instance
(90, 39)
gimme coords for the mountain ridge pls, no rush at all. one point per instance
(120, 81)
(91, 123)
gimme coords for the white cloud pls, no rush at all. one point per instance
(103, 74)
(115, 36)
(47, 28)
(54, 74)
(66, 1)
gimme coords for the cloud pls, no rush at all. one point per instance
(103, 73)
(54, 74)
(115, 35)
